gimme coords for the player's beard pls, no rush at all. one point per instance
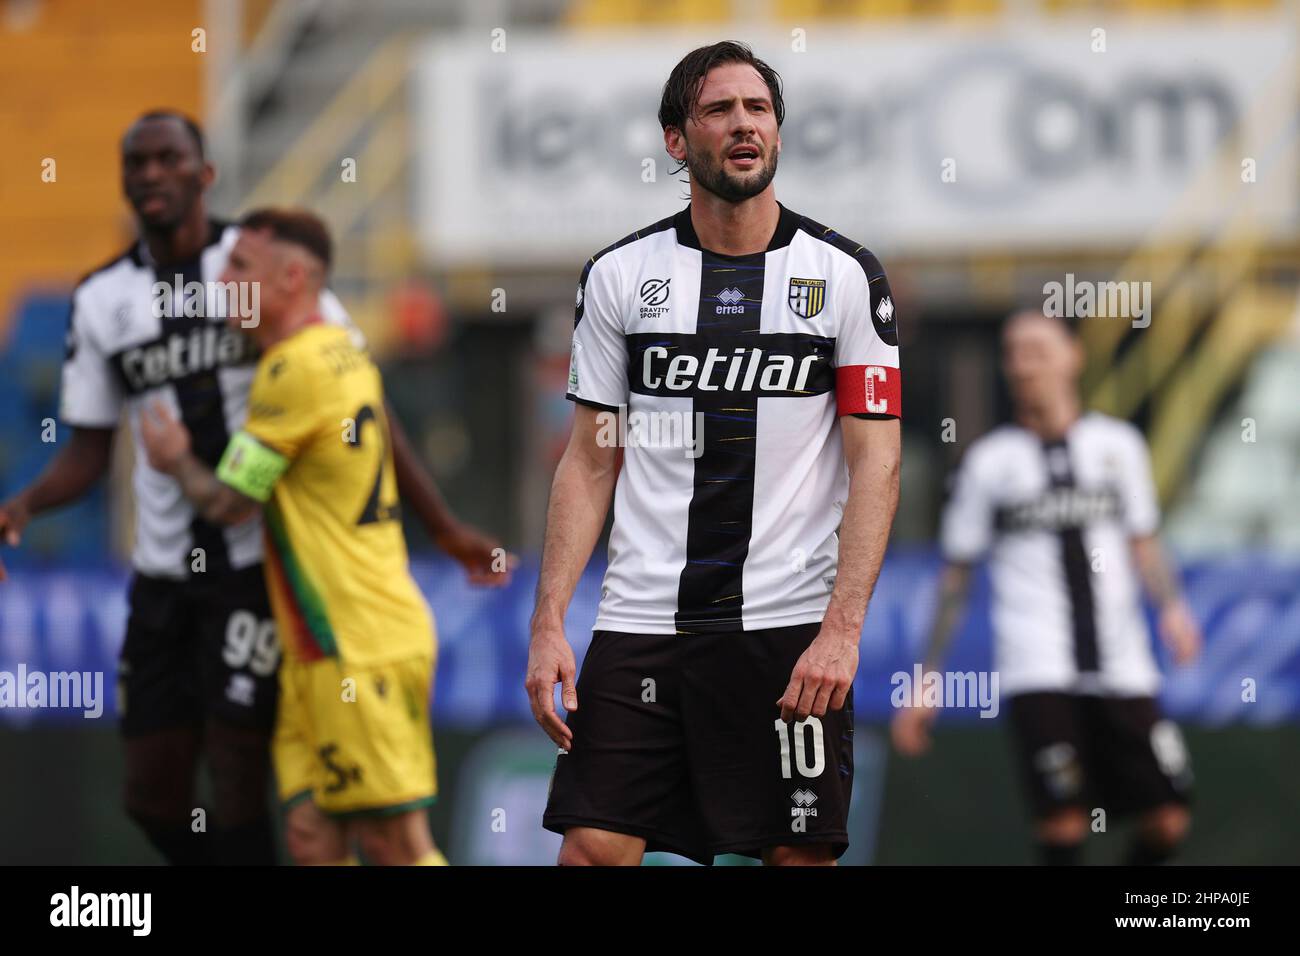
(710, 173)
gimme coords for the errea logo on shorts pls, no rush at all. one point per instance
(803, 800)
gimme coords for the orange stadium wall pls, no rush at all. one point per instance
(74, 73)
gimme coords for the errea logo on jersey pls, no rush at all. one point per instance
(730, 299)
(882, 317)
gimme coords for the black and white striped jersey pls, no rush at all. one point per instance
(1056, 519)
(122, 353)
(725, 377)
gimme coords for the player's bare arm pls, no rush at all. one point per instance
(1177, 626)
(910, 728)
(580, 496)
(824, 673)
(72, 473)
(167, 443)
(478, 553)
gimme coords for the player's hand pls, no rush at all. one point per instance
(166, 441)
(13, 519)
(910, 730)
(822, 676)
(550, 662)
(484, 560)
(1180, 632)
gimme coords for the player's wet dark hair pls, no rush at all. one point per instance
(297, 226)
(682, 91)
(194, 130)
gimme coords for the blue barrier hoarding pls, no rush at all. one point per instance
(61, 621)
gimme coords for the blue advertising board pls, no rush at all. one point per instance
(61, 621)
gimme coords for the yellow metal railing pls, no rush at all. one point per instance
(371, 112)
(1211, 318)
(370, 91)
(1254, 319)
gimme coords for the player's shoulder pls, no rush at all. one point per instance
(124, 265)
(292, 365)
(630, 245)
(837, 246)
(1099, 426)
(604, 267)
(315, 347)
(996, 445)
(107, 275)
(981, 461)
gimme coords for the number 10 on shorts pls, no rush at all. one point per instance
(800, 733)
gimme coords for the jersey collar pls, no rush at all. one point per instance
(786, 226)
(140, 255)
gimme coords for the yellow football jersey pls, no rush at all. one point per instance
(315, 449)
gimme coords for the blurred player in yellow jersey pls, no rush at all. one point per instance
(353, 746)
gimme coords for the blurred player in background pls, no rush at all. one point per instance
(740, 568)
(353, 741)
(198, 665)
(1064, 505)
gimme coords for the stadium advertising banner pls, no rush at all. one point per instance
(912, 139)
(62, 631)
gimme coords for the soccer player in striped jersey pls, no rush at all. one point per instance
(714, 712)
(197, 675)
(1063, 505)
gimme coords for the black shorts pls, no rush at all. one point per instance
(678, 739)
(1114, 753)
(199, 648)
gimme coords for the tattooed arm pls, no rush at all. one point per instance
(1178, 628)
(167, 443)
(954, 592)
(214, 500)
(910, 728)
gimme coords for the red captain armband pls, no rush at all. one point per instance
(868, 390)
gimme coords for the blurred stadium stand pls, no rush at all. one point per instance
(1249, 492)
(292, 91)
(75, 74)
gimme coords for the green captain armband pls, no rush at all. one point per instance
(250, 467)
